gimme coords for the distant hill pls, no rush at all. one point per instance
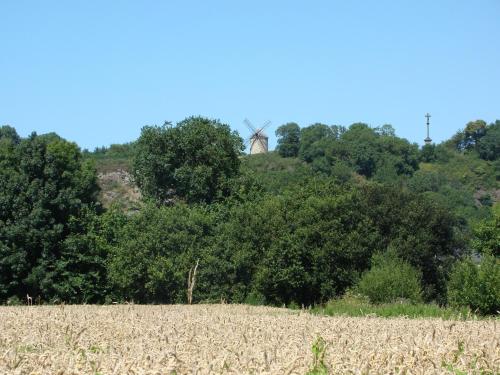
(468, 184)
(453, 172)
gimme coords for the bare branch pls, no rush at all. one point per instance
(192, 282)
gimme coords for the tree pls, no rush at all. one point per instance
(154, 250)
(245, 233)
(476, 285)
(474, 131)
(44, 186)
(306, 245)
(489, 145)
(361, 142)
(487, 234)
(390, 279)
(336, 237)
(80, 271)
(193, 161)
(422, 232)
(309, 137)
(386, 130)
(371, 152)
(288, 140)
(428, 153)
(8, 132)
(469, 138)
(400, 154)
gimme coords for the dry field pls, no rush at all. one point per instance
(214, 339)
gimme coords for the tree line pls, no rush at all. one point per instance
(364, 211)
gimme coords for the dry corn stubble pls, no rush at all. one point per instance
(214, 339)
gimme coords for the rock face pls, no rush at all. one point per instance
(118, 187)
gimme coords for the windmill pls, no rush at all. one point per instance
(258, 140)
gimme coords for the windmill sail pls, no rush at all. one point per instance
(258, 140)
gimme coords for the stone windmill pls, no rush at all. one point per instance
(258, 140)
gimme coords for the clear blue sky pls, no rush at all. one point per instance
(95, 72)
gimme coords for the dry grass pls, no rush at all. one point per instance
(216, 339)
(117, 187)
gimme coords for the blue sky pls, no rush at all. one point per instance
(95, 72)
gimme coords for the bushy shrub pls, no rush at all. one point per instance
(352, 304)
(390, 279)
(476, 285)
(255, 299)
(14, 301)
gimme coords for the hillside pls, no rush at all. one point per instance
(333, 211)
(113, 167)
(467, 184)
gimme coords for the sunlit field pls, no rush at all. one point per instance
(238, 339)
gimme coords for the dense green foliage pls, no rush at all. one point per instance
(154, 250)
(288, 140)
(307, 244)
(193, 161)
(356, 305)
(486, 239)
(480, 138)
(476, 285)
(48, 197)
(389, 280)
(273, 173)
(334, 209)
(114, 151)
(367, 151)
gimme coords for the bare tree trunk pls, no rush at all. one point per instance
(191, 282)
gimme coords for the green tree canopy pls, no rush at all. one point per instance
(478, 137)
(8, 132)
(193, 161)
(44, 188)
(154, 250)
(473, 132)
(309, 141)
(487, 234)
(489, 145)
(288, 139)
(428, 153)
(390, 279)
(421, 230)
(476, 285)
(371, 152)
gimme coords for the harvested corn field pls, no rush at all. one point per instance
(214, 339)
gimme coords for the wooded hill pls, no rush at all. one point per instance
(334, 209)
(463, 172)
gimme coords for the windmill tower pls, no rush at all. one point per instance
(258, 140)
